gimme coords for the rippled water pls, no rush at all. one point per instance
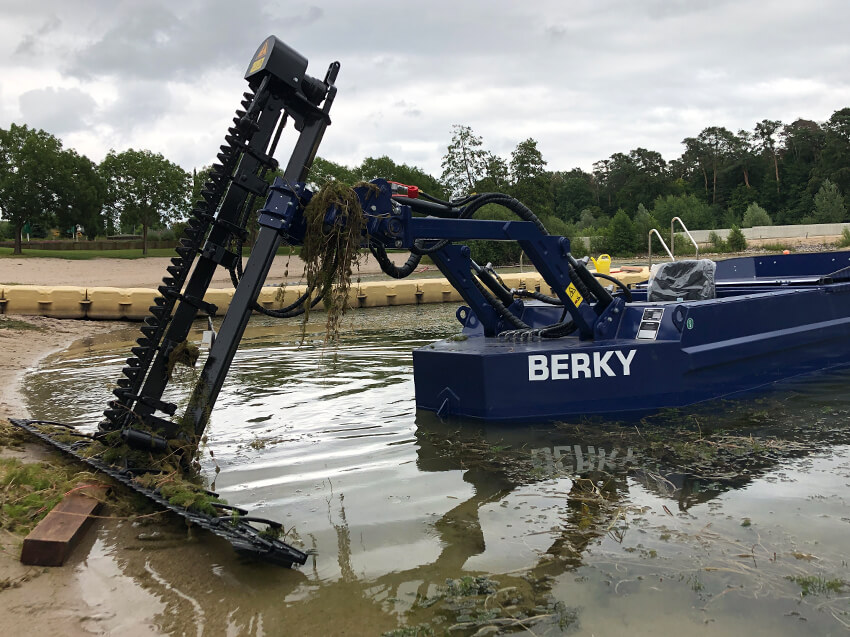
(603, 528)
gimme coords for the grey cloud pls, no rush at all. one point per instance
(139, 103)
(556, 31)
(33, 43)
(662, 9)
(407, 108)
(181, 41)
(57, 110)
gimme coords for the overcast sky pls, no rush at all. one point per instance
(584, 78)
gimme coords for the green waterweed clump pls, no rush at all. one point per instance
(331, 252)
(184, 353)
(169, 472)
(818, 585)
(181, 491)
(28, 491)
(7, 323)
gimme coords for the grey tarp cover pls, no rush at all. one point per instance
(688, 280)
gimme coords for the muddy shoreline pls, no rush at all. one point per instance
(46, 600)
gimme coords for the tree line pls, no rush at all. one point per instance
(775, 173)
(44, 185)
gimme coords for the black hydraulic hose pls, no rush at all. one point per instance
(441, 210)
(627, 293)
(556, 330)
(420, 251)
(578, 282)
(502, 292)
(489, 267)
(288, 312)
(506, 201)
(545, 298)
(455, 203)
(559, 331)
(285, 312)
(500, 308)
(578, 271)
(388, 267)
(479, 201)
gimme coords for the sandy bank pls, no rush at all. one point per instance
(140, 273)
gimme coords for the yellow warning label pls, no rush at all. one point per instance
(574, 295)
(256, 66)
(263, 51)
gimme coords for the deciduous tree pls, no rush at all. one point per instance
(755, 215)
(145, 188)
(829, 204)
(30, 176)
(528, 173)
(81, 193)
(465, 161)
(766, 133)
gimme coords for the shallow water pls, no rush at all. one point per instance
(587, 527)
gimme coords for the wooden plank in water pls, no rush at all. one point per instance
(52, 540)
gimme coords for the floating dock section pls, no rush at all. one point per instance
(132, 304)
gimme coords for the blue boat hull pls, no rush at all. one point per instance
(762, 328)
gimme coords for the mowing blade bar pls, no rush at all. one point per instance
(244, 538)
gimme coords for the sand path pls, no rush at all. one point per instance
(140, 273)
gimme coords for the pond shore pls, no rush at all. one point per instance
(45, 600)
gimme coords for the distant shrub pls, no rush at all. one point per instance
(736, 240)
(829, 204)
(177, 228)
(717, 244)
(695, 213)
(642, 223)
(844, 241)
(599, 242)
(578, 248)
(590, 218)
(755, 215)
(621, 235)
(776, 247)
(682, 245)
(495, 252)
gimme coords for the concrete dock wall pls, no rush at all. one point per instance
(824, 230)
(132, 304)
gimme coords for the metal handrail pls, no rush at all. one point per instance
(673, 235)
(661, 239)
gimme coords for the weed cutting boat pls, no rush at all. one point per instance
(696, 331)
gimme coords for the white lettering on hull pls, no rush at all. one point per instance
(580, 365)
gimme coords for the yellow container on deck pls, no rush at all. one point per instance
(602, 264)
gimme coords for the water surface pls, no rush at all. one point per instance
(711, 520)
